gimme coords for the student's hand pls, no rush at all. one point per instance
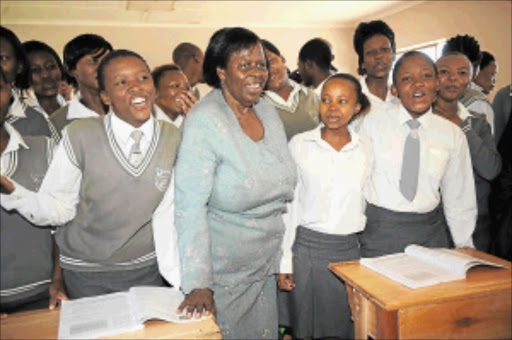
(6, 186)
(185, 100)
(57, 293)
(285, 282)
(196, 301)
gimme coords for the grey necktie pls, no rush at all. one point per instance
(135, 152)
(410, 162)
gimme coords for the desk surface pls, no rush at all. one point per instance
(44, 324)
(391, 295)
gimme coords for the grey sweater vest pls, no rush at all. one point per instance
(34, 124)
(60, 120)
(303, 115)
(112, 227)
(26, 251)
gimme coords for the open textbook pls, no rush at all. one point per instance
(419, 266)
(111, 314)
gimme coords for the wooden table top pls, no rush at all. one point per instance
(391, 295)
(44, 324)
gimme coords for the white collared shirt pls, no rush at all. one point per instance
(376, 102)
(329, 196)
(77, 110)
(15, 143)
(445, 168)
(292, 100)
(56, 201)
(318, 90)
(160, 115)
(483, 107)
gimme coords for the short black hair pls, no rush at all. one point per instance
(222, 45)
(82, 45)
(487, 58)
(366, 30)
(183, 52)
(406, 56)
(158, 72)
(22, 79)
(269, 46)
(318, 51)
(465, 44)
(115, 54)
(361, 97)
(34, 46)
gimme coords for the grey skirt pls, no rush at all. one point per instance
(318, 304)
(389, 232)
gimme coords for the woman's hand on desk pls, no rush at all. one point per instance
(285, 282)
(197, 301)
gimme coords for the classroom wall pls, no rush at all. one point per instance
(488, 21)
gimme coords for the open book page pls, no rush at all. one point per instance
(98, 316)
(409, 270)
(449, 259)
(159, 303)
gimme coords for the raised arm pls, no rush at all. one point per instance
(55, 202)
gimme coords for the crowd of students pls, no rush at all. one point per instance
(242, 197)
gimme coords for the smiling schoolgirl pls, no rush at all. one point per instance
(333, 166)
(108, 186)
(419, 159)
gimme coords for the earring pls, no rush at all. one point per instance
(222, 84)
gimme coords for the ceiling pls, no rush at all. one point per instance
(197, 13)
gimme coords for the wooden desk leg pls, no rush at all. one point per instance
(387, 324)
(359, 307)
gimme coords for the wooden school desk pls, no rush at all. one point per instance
(478, 307)
(44, 324)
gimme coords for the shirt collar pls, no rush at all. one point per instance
(424, 120)
(160, 114)
(315, 135)
(365, 90)
(15, 139)
(296, 88)
(17, 108)
(462, 111)
(78, 110)
(123, 130)
(475, 86)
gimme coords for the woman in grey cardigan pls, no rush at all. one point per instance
(454, 76)
(234, 174)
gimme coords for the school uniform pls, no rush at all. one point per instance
(70, 112)
(27, 120)
(475, 100)
(26, 250)
(299, 112)
(32, 101)
(445, 171)
(376, 104)
(106, 206)
(321, 226)
(486, 163)
(160, 115)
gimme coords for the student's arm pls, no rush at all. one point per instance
(458, 194)
(55, 203)
(195, 173)
(166, 238)
(285, 277)
(57, 288)
(484, 156)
